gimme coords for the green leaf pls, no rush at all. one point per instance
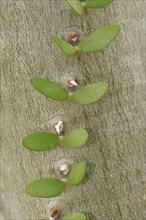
(90, 93)
(100, 39)
(77, 6)
(41, 141)
(49, 89)
(97, 3)
(66, 47)
(45, 188)
(77, 174)
(75, 138)
(74, 216)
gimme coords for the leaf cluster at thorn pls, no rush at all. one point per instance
(83, 96)
(51, 187)
(42, 141)
(80, 6)
(95, 42)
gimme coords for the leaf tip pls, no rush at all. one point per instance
(32, 81)
(106, 85)
(54, 38)
(118, 26)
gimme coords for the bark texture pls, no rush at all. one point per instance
(114, 187)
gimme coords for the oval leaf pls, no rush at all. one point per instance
(76, 5)
(45, 188)
(97, 3)
(100, 39)
(90, 93)
(40, 141)
(74, 216)
(77, 174)
(66, 47)
(49, 89)
(75, 138)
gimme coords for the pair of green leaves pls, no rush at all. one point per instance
(51, 187)
(83, 96)
(95, 42)
(41, 141)
(80, 7)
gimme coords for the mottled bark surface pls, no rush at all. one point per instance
(114, 187)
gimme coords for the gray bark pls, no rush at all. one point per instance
(114, 187)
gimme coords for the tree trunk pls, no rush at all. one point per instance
(114, 186)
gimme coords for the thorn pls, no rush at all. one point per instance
(73, 36)
(64, 169)
(59, 127)
(55, 212)
(71, 83)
